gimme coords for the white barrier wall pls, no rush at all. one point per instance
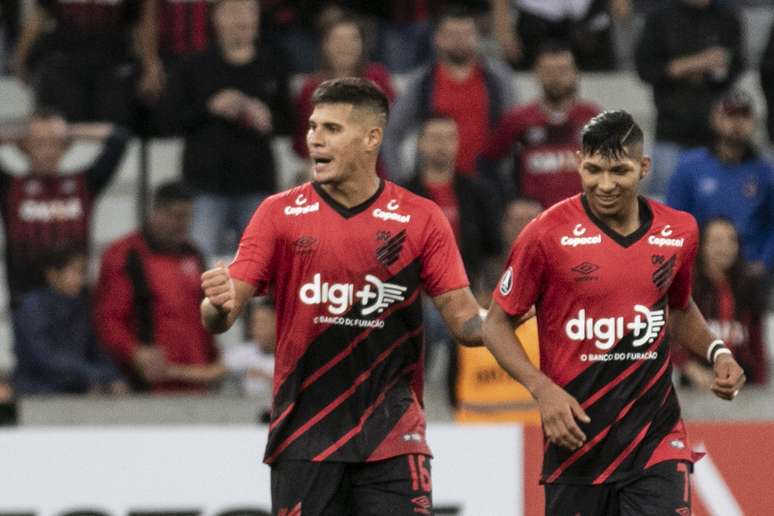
(206, 471)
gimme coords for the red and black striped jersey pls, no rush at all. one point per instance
(347, 285)
(45, 212)
(602, 304)
(184, 27)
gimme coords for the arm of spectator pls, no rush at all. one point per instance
(404, 116)
(146, 38)
(257, 115)
(107, 163)
(767, 81)
(505, 31)
(197, 374)
(33, 27)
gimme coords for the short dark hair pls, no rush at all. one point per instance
(60, 257)
(172, 192)
(552, 47)
(613, 134)
(454, 12)
(361, 93)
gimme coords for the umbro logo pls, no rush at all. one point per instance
(585, 268)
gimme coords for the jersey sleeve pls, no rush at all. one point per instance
(680, 290)
(255, 256)
(521, 283)
(442, 269)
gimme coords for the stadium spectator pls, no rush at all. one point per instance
(44, 208)
(610, 415)
(343, 55)
(732, 300)
(147, 298)
(467, 204)
(730, 179)
(251, 363)
(481, 390)
(473, 90)
(229, 102)
(690, 52)
(347, 257)
(767, 81)
(544, 133)
(586, 26)
(55, 344)
(86, 66)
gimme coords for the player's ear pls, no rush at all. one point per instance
(578, 159)
(374, 138)
(645, 165)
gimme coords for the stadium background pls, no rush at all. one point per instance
(201, 455)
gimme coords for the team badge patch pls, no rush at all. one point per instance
(506, 282)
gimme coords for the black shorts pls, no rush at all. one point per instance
(398, 486)
(664, 488)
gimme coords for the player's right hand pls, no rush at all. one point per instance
(218, 287)
(558, 412)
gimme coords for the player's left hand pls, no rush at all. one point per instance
(729, 377)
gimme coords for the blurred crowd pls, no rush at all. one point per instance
(231, 77)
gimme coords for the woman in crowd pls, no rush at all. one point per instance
(343, 55)
(732, 299)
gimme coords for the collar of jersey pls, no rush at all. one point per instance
(342, 210)
(646, 215)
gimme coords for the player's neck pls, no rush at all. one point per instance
(354, 191)
(626, 221)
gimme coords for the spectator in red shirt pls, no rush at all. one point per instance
(733, 300)
(343, 55)
(474, 91)
(147, 299)
(544, 133)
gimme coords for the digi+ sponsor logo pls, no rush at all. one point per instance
(373, 297)
(662, 239)
(301, 207)
(579, 238)
(391, 213)
(606, 331)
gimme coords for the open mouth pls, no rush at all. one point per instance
(321, 162)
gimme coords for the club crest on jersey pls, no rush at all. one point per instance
(506, 282)
(373, 297)
(606, 331)
(391, 213)
(579, 237)
(662, 239)
(301, 207)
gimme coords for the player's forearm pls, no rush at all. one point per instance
(689, 329)
(90, 131)
(469, 330)
(500, 339)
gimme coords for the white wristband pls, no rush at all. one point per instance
(721, 351)
(717, 346)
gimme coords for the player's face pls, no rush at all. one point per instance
(557, 75)
(611, 184)
(720, 247)
(236, 21)
(45, 144)
(340, 142)
(343, 47)
(438, 144)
